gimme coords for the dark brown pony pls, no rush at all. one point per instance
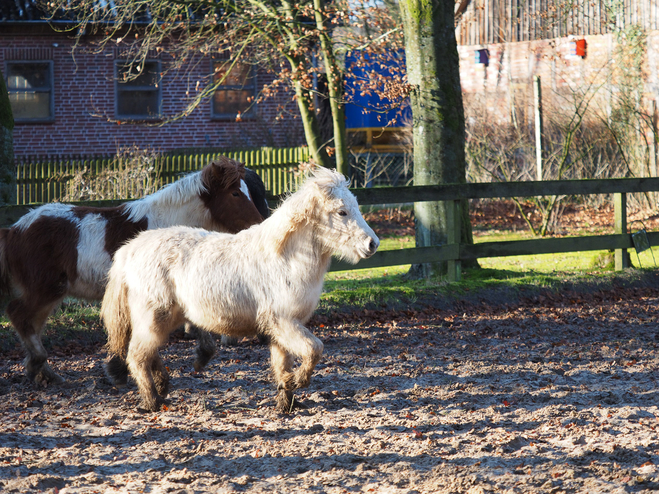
(60, 250)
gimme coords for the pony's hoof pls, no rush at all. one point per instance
(302, 381)
(204, 355)
(153, 405)
(116, 371)
(46, 376)
(286, 402)
(264, 339)
(228, 340)
(163, 388)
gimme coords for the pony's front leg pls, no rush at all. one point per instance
(160, 376)
(288, 339)
(29, 322)
(282, 363)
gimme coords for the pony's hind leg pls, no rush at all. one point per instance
(150, 330)
(228, 340)
(29, 322)
(160, 376)
(205, 349)
(141, 361)
(205, 345)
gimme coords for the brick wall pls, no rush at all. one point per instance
(84, 98)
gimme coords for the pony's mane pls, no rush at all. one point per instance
(327, 179)
(174, 194)
(300, 207)
(192, 185)
(321, 179)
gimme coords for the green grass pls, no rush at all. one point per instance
(390, 286)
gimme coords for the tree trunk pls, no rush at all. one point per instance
(335, 88)
(438, 126)
(7, 169)
(311, 128)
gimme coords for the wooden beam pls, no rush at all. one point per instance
(494, 249)
(622, 260)
(454, 231)
(421, 193)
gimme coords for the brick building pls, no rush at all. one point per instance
(571, 46)
(68, 101)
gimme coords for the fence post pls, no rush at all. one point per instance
(537, 100)
(622, 259)
(453, 234)
(18, 186)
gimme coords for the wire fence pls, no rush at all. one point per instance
(381, 169)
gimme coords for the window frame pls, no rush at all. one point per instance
(120, 87)
(253, 75)
(50, 90)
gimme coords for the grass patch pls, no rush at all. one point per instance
(390, 287)
(75, 324)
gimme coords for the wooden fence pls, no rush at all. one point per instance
(507, 21)
(454, 252)
(46, 179)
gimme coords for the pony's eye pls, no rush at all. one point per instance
(343, 213)
(235, 194)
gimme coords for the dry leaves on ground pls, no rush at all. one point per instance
(554, 394)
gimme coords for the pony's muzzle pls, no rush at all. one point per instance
(373, 245)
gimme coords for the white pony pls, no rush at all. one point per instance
(267, 278)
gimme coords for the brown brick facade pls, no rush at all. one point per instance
(84, 98)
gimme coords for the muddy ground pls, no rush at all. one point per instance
(553, 392)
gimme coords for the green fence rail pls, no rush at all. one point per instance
(46, 179)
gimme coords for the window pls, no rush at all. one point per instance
(138, 95)
(236, 94)
(30, 88)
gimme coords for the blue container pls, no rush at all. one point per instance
(483, 56)
(367, 110)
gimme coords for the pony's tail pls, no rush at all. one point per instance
(115, 313)
(5, 277)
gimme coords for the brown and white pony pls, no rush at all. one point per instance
(59, 250)
(266, 279)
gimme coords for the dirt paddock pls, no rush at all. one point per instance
(554, 394)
